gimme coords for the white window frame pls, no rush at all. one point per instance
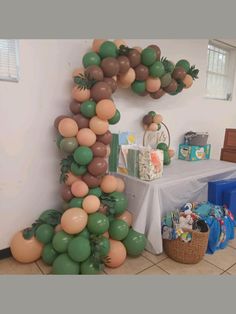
(17, 78)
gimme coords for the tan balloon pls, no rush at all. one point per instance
(71, 178)
(98, 126)
(86, 137)
(77, 72)
(25, 251)
(97, 44)
(153, 127)
(119, 42)
(127, 78)
(108, 151)
(91, 204)
(58, 228)
(127, 217)
(120, 185)
(117, 254)
(153, 84)
(158, 118)
(171, 153)
(79, 188)
(74, 220)
(138, 48)
(108, 184)
(106, 234)
(80, 94)
(105, 109)
(67, 127)
(188, 81)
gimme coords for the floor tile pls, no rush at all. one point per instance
(130, 267)
(232, 243)
(232, 270)
(201, 268)
(8, 266)
(153, 270)
(154, 258)
(222, 258)
(44, 267)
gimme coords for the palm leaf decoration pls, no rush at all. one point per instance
(65, 167)
(124, 50)
(83, 81)
(193, 72)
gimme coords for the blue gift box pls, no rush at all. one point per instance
(193, 153)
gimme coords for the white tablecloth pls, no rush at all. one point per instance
(182, 181)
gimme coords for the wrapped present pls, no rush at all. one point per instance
(150, 163)
(193, 153)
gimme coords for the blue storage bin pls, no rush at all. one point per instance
(229, 199)
(216, 190)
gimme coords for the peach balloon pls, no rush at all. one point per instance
(120, 185)
(98, 126)
(153, 127)
(138, 48)
(127, 217)
(188, 81)
(71, 178)
(116, 255)
(108, 184)
(145, 126)
(74, 220)
(79, 189)
(127, 78)
(153, 84)
(80, 94)
(171, 153)
(58, 228)
(119, 42)
(86, 137)
(157, 118)
(25, 251)
(106, 234)
(122, 85)
(67, 127)
(105, 109)
(78, 72)
(97, 44)
(108, 151)
(91, 204)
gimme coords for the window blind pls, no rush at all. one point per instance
(9, 70)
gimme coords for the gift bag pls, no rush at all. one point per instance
(150, 163)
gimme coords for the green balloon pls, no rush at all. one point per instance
(108, 49)
(134, 243)
(148, 56)
(61, 241)
(68, 144)
(98, 223)
(169, 66)
(138, 87)
(44, 233)
(95, 191)
(47, 214)
(166, 80)
(157, 69)
(59, 138)
(184, 64)
(121, 202)
(77, 170)
(118, 229)
(103, 246)
(85, 233)
(116, 118)
(88, 108)
(91, 58)
(79, 249)
(162, 146)
(166, 157)
(76, 202)
(63, 265)
(83, 155)
(152, 113)
(89, 267)
(49, 254)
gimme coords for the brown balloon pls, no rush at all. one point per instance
(98, 166)
(111, 82)
(141, 72)
(100, 90)
(158, 94)
(134, 57)
(147, 119)
(81, 121)
(171, 87)
(75, 107)
(106, 138)
(91, 181)
(124, 64)
(179, 73)
(94, 72)
(110, 66)
(66, 193)
(157, 49)
(58, 120)
(145, 93)
(99, 149)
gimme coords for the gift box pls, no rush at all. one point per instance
(193, 153)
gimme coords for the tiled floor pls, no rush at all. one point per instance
(223, 262)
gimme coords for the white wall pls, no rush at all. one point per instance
(29, 161)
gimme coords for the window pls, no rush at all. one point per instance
(220, 70)
(9, 68)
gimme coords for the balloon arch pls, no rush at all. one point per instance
(94, 227)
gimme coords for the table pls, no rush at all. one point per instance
(182, 181)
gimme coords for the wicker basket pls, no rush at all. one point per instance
(187, 253)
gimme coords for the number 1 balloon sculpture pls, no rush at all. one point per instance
(94, 227)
